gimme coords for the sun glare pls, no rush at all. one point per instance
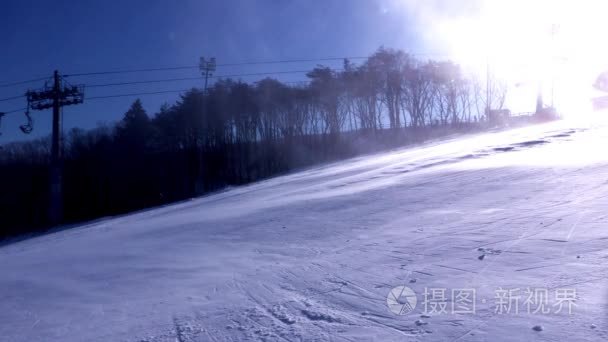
(559, 45)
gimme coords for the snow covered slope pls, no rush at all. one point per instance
(314, 255)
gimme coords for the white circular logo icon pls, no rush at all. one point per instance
(401, 300)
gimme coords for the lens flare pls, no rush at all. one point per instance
(557, 45)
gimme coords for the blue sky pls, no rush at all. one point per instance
(83, 36)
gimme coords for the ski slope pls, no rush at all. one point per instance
(312, 256)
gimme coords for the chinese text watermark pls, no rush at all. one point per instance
(402, 300)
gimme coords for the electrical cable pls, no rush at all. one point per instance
(23, 82)
(109, 72)
(12, 98)
(137, 94)
(198, 78)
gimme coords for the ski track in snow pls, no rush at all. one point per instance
(311, 256)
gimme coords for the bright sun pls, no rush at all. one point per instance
(560, 44)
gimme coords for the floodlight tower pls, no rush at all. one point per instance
(207, 68)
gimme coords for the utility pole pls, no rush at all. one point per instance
(207, 67)
(56, 208)
(539, 99)
(54, 97)
(554, 31)
(488, 91)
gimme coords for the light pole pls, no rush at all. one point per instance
(207, 67)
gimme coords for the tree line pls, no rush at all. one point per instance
(235, 133)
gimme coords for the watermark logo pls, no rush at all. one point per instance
(401, 300)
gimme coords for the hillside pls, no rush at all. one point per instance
(314, 255)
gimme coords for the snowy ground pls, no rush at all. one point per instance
(314, 255)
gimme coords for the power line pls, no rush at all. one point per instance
(172, 80)
(269, 73)
(159, 81)
(14, 111)
(130, 71)
(22, 82)
(143, 82)
(191, 78)
(293, 61)
(198, 78)
(164, 92)
(137, 94)
(109, 72)
(11, 98)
